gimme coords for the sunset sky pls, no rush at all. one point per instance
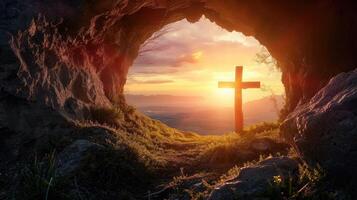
(189, 60)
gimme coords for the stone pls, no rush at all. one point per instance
(254, 180)
(43, 77)
(324, 130)
(268, 145)
(70, 159)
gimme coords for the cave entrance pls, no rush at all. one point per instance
(174, 78)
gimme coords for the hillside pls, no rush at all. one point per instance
(119, 142)
(190, 114)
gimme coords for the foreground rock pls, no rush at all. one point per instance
(267, 145)
(70, 159)
(253, 181)
(324, 130)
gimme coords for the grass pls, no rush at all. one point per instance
(141, 153)
(234, 171)
(199, 186)
(296, 187)
(107, 116)
(308, 183)
(161, 144)
(231, 148)
(163, 150)
(262, 128)
(190, 187)
(39, 180)
(116, 171)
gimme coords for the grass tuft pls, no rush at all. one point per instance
(108, 116)
(298, 187)
(117, 171)
(262, 128)
(39, 180)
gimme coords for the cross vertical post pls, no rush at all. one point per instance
(238, 99)
(238, 85)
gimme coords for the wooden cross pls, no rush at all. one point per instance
(238, 85)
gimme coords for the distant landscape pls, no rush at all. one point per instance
(190, 114)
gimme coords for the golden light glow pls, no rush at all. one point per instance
(223, 96)
(192, 63)
(197, 55)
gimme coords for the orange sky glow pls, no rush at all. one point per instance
(189, 60)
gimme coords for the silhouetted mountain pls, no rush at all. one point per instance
(161, 100)
(265, 109)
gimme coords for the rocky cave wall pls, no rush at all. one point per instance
(80, 51)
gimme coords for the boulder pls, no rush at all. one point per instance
(40, 75)
(70, 159)
(267, 145)
(324, 130)
(254, 180)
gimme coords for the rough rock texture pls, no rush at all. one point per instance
(25, 125)
(253, 181)
(267, 145)
(43, 88)
(69, 160)
(324, 130)
(61, 84)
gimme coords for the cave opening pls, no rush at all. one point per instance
(174, 77)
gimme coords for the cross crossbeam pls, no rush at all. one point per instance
(244, 85)
(238, 85)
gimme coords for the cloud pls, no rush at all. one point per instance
(152, 81)
(173, 59)
(187, 58)
(155, 70)
(167, 52)
(183, 46)
(180, 47)
(157, 81)
(237, 37)
(155, 60)
(175, 48)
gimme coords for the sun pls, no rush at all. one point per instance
(225, 92)
(222, 97)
